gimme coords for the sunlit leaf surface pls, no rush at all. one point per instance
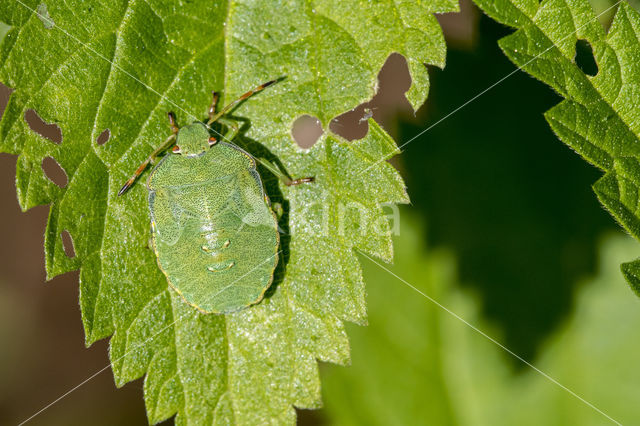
(121, 65)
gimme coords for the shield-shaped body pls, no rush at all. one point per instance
(213, 231)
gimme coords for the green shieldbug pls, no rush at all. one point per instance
(213, 231)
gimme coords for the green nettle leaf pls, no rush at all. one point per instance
(600, 117)
(431, 369)
(120, 66)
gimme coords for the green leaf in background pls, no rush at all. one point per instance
(120, 66)
(600, 116)
(420, 366)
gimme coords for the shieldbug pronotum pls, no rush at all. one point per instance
(214, 233)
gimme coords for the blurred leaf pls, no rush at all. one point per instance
(121, 66)
(420, 365)
(599, 117)
(524, 224)
(593, 355)
(414, 363)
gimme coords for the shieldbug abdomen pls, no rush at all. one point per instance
(213, 231)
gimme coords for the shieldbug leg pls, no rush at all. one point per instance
(172, 122)
(232, 104)
(283, 177)
(154, 155)
(291, 182)
(232, 126)
(212, 107)
(151, 159)
(278, 210)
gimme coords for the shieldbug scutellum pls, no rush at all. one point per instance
(213, 231)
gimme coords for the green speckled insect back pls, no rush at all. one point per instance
(213, 232)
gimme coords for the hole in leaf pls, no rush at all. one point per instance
(393, 81)
(306, 131)
(54, 172)
(5, 93)
(41, 127)
(585, 59)
(104, 137)
(67, 244)
(461, 28)
(351, 125)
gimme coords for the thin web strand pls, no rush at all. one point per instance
(491, 339)
(128, 352)
(167, 99)
(398, 150)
